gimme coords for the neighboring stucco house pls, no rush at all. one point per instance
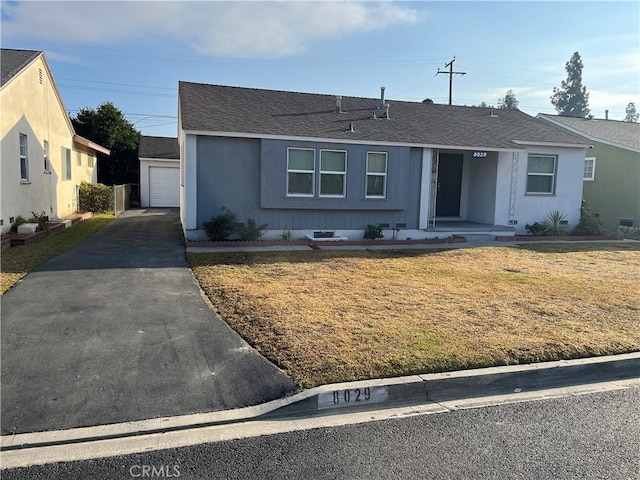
(159, 171)
(611, 169)
(43, 160)
(310, 162)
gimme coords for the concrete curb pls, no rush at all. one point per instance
(436, 387)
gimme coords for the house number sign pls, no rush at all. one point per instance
(479, 154)
(352, 397)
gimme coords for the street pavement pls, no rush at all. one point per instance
(588, 437)
(116, 330)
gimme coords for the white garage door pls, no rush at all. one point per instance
(164, 187)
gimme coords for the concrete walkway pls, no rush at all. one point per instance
(116, 330)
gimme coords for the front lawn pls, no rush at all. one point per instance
(16, 262)
(327, 316)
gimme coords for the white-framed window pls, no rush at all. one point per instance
(301, 168)
(589, 168)
(79, 157)
(91, 160)
(333, 173)
(541, 174)
(24, 159)
(67, 164)
(47, 163)
(376, 175)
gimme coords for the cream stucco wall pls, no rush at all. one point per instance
(32, 107)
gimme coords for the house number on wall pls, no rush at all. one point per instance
(479, 154)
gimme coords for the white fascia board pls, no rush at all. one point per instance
(151, 159)
(88, 143)
(209, 133)
(552, 144)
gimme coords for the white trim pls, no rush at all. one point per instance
(593, 170)
(332, 172)
(313, 173)
(24, 157)
(47, 160)
(88, 143)
(208, 133)
(542, 174)
(151, 159)
(190, 183)
(551, 144)
(376, 174)
(68, 165)
(425, 182)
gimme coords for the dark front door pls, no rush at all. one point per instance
(449, 185)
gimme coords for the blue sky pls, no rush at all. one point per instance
(134, 53)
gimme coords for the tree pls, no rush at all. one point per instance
(108, 127)
(572, 98)
(509, 102)
(632, 116)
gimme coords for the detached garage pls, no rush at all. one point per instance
(159, 171)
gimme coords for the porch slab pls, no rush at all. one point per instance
(470, 228)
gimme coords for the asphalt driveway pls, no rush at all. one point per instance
(116, 330)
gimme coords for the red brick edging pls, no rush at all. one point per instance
(303, 243)
(547, 238)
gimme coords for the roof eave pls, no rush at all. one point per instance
(211, 133)
(89, 144)
(552, 144)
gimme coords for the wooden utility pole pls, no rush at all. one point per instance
(451, 73)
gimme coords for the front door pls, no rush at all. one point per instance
(449, 185)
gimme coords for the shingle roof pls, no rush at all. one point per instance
(12, 61)
(609, 131)
(158, 147)
(270, 112)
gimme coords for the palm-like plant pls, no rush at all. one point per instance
(554, 224)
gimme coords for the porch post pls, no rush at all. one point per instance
(425, 185)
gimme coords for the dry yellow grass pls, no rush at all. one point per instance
(327, 316)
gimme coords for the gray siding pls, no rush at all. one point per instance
(248, 176)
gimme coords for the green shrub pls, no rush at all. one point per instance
(251, 231)
(287, 234)
(221, 227)
(535, 229)
(589, 224)
(42, 219)
(373, 232)
(95, 197)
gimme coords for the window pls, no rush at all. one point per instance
(589, 168)
(91, 160)
(79, 158)
(67, 164)
(24, 159)
(541, 174)
(333, 173)
(376, 174)
(47, 165)
(301, 166)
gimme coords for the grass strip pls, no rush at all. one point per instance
(16, 262)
